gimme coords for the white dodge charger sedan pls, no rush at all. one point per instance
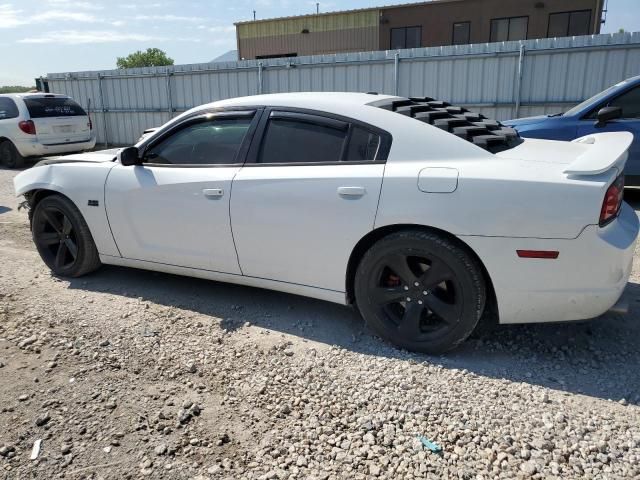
(421, 214)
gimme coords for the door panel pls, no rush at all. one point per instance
(168, 215)
(299, 223)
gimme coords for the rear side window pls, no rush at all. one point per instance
(8, 108)
(294, 141)
(363, 145)
(44, 107)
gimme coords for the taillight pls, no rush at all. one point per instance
(612, 201)
(27, 126)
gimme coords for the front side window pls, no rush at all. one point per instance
(569, 24)
(8, 108)
(461, 33)
(509, 29)
(406, 37)
(629, 102)
(208, 142)
(45, 107)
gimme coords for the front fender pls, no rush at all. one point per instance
(83, 184)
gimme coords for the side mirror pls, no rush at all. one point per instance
(607, 114)
(129, 156)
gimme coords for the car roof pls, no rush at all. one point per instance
(310, 100)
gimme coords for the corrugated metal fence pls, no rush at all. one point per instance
(502, 80)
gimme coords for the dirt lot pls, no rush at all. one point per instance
(130, 374)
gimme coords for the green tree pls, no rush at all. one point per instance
(152, 57)
(621, 30)
(15, 89)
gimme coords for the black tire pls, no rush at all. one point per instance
(62, 237)
(9, 156)
(406, 277)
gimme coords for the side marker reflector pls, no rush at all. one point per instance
(547, 254)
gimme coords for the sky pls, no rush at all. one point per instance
(45, 36)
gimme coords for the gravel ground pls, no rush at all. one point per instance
(131, 374)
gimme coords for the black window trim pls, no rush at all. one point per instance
(569, 22)
(303, 113)
(526, 34)
(405, 36)
(453, 32)
(204, 116)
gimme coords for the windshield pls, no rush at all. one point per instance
(595, 99)
(53, 107)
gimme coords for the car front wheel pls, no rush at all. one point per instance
(420, 291)
(62, 237)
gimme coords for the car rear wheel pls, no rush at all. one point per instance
(420, 291)
(9, 156)
(62, 237)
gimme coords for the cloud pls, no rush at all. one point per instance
(168, 18)
(225, 29)
(75, 37)
(11, 17)
(72, 4)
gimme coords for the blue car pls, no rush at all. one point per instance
(615, 109)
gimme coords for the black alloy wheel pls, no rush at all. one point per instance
(55, 238)
(420, 290)
(62, 237)
(416, 295)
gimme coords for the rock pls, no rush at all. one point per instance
(28, 341)
(194, 442)
(42, 419)
(622, 401)
(223, 439)
(288, 352)
(192, 367)
(529, 468)
(65, 448)
(104, 343)
(160, 449)
(23, 397)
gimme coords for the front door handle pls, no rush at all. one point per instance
(213, 192)
(351, 192)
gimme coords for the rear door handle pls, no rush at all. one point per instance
(213, 192)
(351, 192)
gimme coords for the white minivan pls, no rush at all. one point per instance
(36, 124)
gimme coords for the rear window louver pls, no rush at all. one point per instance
(473, 127)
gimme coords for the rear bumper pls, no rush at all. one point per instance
(585, 281)
(32, 148)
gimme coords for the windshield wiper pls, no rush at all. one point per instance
(555, 114)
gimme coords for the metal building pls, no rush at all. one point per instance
(425, 24)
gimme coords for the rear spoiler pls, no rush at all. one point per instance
(605, 151)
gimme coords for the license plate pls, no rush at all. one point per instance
(63, 128)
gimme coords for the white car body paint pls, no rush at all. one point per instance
(293, 230)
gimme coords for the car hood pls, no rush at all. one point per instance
(97, 156)
(519, 122)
